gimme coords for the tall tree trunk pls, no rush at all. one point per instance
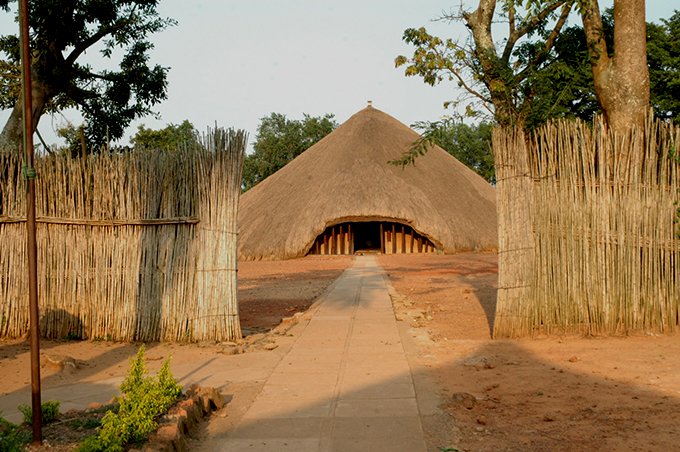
(622, 80)
(479, 22)
(12, 136)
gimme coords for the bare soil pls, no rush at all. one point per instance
(549, 393)
(543, 394)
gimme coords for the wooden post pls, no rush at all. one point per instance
(325, 242)
(351, 238)
(382, 239)
(403, 239)
(31, 241)
(420, 245)
(341, 238)
(411, 245)
(394, 239)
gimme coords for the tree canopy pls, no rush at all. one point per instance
(470, 144)
(60, 33)
(494, 79)
(545, 69)
(279, 140)
(663, 58)
(171, 137)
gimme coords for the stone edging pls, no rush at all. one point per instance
(183, 417)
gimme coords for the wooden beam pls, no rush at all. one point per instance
(351, 238)
(332, 251)
(394, 239)
(403, 239)
(341, 238)
(382, 239)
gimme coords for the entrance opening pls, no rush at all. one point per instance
(371, 237)
(366, 236)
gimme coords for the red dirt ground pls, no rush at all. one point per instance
(546, 394)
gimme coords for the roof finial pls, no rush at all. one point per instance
(370, 103)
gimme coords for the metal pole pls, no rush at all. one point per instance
(32, 248)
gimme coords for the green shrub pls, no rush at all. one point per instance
(143, 399)
(12, 438)
(50, 412)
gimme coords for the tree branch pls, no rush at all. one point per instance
(92, 40)
(540, 57)
(528, 25)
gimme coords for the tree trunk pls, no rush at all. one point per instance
(12, 137)
(479, 22)
(622, 80)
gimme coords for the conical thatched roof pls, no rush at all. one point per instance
(346, 177)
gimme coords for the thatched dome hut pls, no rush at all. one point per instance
(341, 196)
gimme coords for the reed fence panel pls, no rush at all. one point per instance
(588, 241)
(131, 246)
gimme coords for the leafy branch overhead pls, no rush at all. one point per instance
(61, 33)
(493, 79)
(470, 144)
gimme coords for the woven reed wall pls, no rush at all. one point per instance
(135, 246)
(588, 242)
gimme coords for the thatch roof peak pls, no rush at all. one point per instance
(346, 177)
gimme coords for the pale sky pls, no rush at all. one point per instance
(236, 61)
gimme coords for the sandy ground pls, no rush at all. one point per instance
(546, 394)
(552, 394)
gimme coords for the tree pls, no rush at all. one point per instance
(493, 78)
(621, 77)
(470, 144)
(172, 137)
(566, 89)
(280, 140)
(61, 32)
(663, 58)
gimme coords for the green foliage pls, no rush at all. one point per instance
(470, 144)
(663, 58)
(564, 87)
(493, 77)
(172, 137)
(50, 412)
(525, 84)
(144, 399)
(279, 140)
(13, 438)
(61, 33)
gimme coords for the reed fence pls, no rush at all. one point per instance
(587, 239)
(131, 246)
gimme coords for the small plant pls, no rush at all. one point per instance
(12, 438)
(143, 399)
(50, 412)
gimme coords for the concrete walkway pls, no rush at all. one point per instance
(345, 385)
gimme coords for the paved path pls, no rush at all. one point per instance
(345, 385)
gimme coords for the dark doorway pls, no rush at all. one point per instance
(366, 236)
(371, 237)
